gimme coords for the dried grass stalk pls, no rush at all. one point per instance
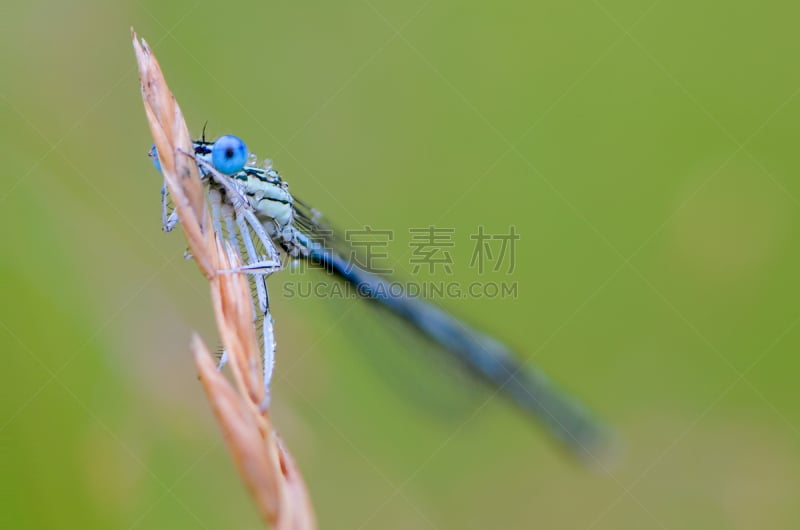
(266, 467)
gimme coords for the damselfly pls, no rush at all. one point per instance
(252, 208)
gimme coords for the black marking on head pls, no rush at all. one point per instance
(202, 147)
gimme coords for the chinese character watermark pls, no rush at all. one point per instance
(483, 252)
(365, 251)
(430, 246)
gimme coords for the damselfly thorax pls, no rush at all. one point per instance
(267, 195)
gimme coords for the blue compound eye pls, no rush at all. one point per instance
(153, 154)
(228, 154)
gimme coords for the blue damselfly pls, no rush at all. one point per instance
(252, 208)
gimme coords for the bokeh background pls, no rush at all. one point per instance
(646, 152)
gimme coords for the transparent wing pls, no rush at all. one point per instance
(320, 232)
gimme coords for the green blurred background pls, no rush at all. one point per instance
(643, 150)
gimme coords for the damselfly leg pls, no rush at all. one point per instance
(169, 215)
(247, 242)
